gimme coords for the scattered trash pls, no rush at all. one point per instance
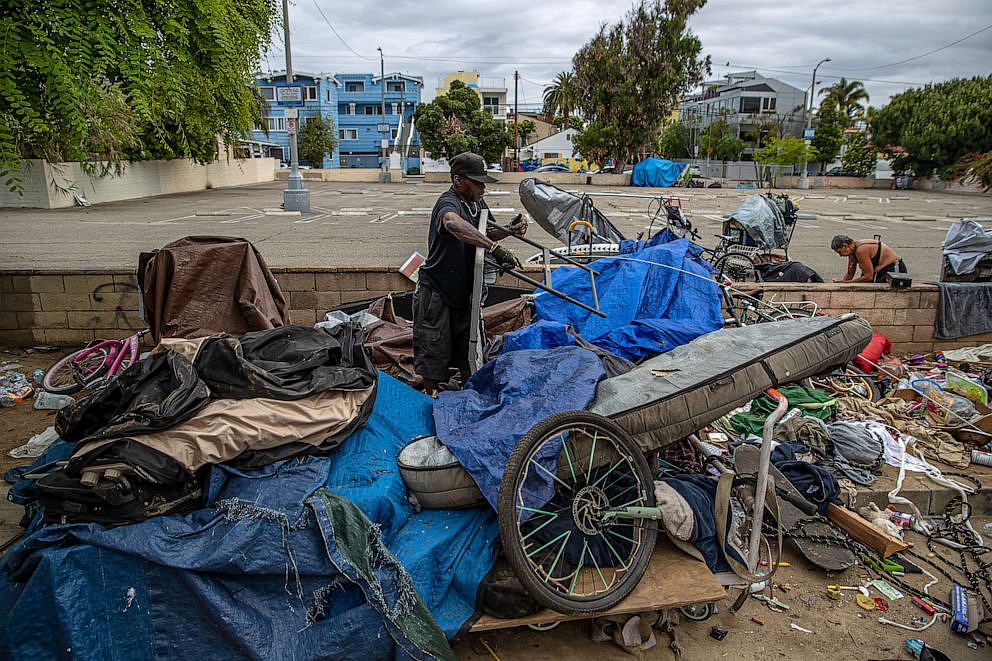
(46, 401)
(793, 625)
(46, 348)
(718, 633)
(38, 376)
(881, 604)
(916, 648)
(14, 388)
(9, 366)
(972, 645)
(924, 606)
(771, 602)
(886, 589)
(865, 602)
(757, 620)
(35, 445)
(919, 624)
(764, 563)
(836, 595)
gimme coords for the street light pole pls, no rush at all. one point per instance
(295, 197)
(384, 175)
(803, 178)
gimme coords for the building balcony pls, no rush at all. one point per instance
(372, 97)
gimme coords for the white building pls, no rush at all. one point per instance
(556, 147)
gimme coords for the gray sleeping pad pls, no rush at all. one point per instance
(674, 394)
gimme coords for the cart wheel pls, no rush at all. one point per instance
(697, 612)
(565, 482)
(738, 267)
(544, 627)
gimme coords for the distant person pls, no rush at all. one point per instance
(876, 259)
(442, 302)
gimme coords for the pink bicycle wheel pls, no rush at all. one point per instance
(69, 375)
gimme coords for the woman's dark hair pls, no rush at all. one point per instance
(840, 240)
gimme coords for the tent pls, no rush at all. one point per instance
(656, 172)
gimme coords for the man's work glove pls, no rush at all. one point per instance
(504, 259)
(518, 226)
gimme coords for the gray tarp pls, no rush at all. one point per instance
(966, 244)
(763, 221)
(553, 209)
(965, 308)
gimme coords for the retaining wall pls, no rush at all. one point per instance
(72, 307)
(51, 185)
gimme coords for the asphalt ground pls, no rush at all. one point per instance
(382, 224)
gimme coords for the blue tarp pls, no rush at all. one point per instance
(656, 172)
(655, 299)
(258, 574)
(482, 423)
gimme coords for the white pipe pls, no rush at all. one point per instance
(762, 485)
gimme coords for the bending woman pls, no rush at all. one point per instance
(876, 259)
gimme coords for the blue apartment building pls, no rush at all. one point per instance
(353, 102)
(320, 98)
(359, 116)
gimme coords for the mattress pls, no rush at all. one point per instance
(674, 394)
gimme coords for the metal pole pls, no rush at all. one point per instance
(803, 179)
(295, 197)
(516, 148)
(384, 176)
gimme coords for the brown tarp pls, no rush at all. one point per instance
(207, 285)
(391, 339)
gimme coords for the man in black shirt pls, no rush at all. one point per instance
(442, 303)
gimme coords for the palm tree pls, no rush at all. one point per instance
(848, 95)
(559, 97)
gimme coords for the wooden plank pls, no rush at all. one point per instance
(672, 579)
(865, 532)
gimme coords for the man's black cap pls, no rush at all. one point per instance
(470, 165)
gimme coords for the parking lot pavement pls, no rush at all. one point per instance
(370, 224)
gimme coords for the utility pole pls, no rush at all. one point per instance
(295, 197)
(383, 124)
(803, 179)
(516, 121)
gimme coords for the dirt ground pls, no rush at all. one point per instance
(839, 629)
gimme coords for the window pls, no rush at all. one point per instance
(309, 93)
(750, 103)
(768, 105)
(348, 134)
(328, 95)
(568, 137)
(276, 123)
(268, 93)
(371, 110)
(393, 133)
(396, 109)
(351, 109)
(396, 86)
(551, 154)
(491, 104)
(354, 86)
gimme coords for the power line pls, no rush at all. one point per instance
(730, 65)
(321, 12)
(935, 50)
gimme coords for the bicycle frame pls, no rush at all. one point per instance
(117, 351)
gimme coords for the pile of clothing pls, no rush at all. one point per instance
(142, 440)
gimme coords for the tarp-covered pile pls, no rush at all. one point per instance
(278, 565)
(656, 172)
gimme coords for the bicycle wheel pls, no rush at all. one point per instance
(69, 375)
(737, 267)
(563, 488)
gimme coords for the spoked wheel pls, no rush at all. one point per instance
(571, 512)
(848, 383)
(69, 375)
(738, 267)
(697, 612)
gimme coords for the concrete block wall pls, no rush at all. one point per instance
(70, 308)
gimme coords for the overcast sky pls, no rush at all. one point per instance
(866, 40)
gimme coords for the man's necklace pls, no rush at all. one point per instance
(472, 211)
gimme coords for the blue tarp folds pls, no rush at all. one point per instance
(656, 173)
(482, 423)
(656, 299)
(257, 575)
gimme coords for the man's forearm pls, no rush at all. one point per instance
(463, 230)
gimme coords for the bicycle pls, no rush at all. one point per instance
(98, 361)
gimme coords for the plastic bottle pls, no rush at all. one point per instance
(981, 457)
(45, 400)
(38, 376)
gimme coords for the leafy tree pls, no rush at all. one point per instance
(455, 122)
(829, 132)
(107, 81)
(674, 141)
(629, 77)
(976, 168)
(787, 150)
(717, 141)
(847, 96)
(317, 138)
(928, 130)
(524, 129)
(860, 156)
(559, 96)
